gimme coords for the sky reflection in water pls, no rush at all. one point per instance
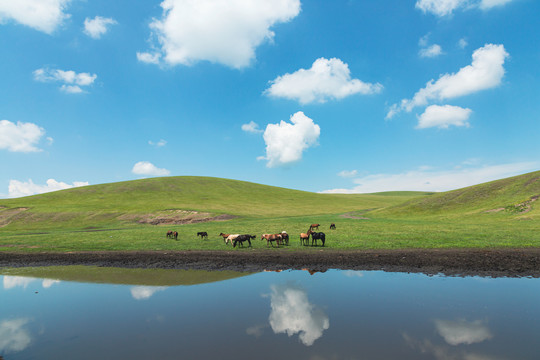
(292, 314)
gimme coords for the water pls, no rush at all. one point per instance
(269, 315)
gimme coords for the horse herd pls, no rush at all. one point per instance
(280, 238)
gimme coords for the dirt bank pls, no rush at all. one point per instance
(463, 262)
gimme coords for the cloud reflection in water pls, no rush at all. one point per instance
(13, 336)
(293, 313)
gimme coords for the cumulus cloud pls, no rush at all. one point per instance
(286, 142)
(462, 331)
(72, 81)
(485, 72)
(13, 335)
(147, 168)
(431, 51)
(429, 179)
(145, 292)
(20, 137)
(21, 188)
(225, 32)
(292, 313)
(443, 117)
(42, 15)
(251, 127)
(97, 26)
(326, 79)
(446, 7)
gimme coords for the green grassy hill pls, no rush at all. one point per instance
(176, 199)
(511, 196)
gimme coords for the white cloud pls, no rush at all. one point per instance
(148, 58)
(462, 43)
(348, 174)
(145, 292)
(147, 168)
(485, 72)
(292, 313)
(20, 137)
(97, 26)
(160, 143)
(326, 79)
(462, 331)
(431, 51)
(42, 15)
(444, 116)
(225, 32)
(11, 282)
(427, 179)
(13, 336)
(285, 142)
(20, 188)
(72, 81)
(446, 7)
(251, 127)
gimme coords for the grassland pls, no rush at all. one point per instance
(135, 215)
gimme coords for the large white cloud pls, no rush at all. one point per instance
(20, 137)
(42, 15)
(147, 168)
(447, 7)
(326, 79)
(427, 179)
(292, 313)
(286, 142)
(225, 32)
(97, 26)
(13, 335)
(72, 82)
(462, 331)
(26, 188)
(486, 71)
(444, 116)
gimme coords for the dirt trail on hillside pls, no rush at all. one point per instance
(455, 262)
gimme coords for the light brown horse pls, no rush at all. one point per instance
(225, 236)
(304, 237)
(272, 237)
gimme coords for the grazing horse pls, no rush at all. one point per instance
(285, 237)
(304, 237)
(175, 235)
(242, 238)
(202, 234)
(317, 236)
(169, 234)
(231, 238)
(332, 226)
(314, 226)
(271, 237)
(224, 236)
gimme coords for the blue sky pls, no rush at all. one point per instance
(336, 96)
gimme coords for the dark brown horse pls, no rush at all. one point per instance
(203, 234)
(169, 234)
(175, 235)
(332, 226)
(241, 238)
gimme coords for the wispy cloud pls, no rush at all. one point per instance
(252, 127)
(160, 143)
(443, 8)
(72, 82)
(326, 79)
(430, 179)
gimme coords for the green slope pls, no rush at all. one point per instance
(162, 199)
(511, 196)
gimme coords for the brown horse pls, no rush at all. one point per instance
(225, 236)
(272, 237)
(175, 235)
(304, 237)
(332, 226)
(314, 226)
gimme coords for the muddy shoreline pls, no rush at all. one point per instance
(453, 262)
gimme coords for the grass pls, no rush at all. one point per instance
(104, 217)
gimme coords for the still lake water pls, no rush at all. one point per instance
(269, 315)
